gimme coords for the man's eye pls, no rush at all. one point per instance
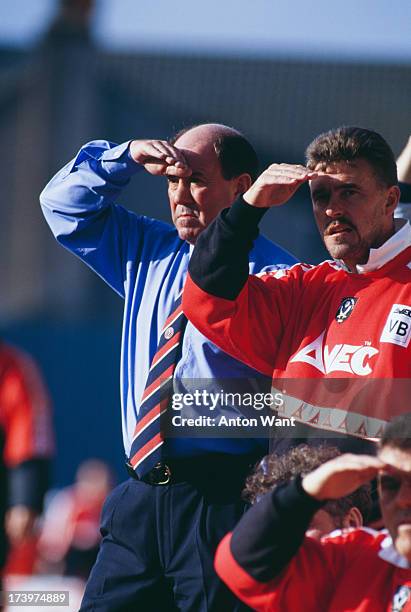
(348, 193)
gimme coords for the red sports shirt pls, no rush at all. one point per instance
(336, 343)
(351, 572)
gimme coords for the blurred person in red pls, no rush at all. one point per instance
(70, 534)
(26, 445)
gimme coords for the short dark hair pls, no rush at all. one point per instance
(397, 433)
(274, 470)
(235, 153)
(350, 143)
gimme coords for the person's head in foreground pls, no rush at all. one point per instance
(392, 466)
(270, 564)
(350, 511)
(395, 483)
(355, 192)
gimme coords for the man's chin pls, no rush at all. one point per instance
(403, 541)
(338, 251)
(189, 234)
(337, 248)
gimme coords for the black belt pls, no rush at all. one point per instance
(230, 469)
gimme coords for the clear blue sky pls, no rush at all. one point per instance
(363, 29)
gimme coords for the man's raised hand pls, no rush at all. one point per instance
(341, 476)
(159, 157)
(277, 184)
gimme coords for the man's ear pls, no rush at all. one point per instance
(393, 197)
(353, 519)
(243, 183)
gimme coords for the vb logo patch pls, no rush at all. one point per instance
(345, 309)
(397, 328)
(401, 598)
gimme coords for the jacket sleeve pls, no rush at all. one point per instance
(79, 206)
(244, 315)
(268, 562)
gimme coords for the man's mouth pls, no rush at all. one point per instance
(187, 219)
(338, 228)
(184, 212)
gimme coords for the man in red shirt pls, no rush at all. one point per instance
(335, 337)
(271, 564)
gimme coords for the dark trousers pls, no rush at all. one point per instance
(159, 542)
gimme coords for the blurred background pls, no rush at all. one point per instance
(76, 70)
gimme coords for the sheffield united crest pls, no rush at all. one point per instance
(401, 598)
(345, 309)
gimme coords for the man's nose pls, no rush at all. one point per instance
(334, 207)
(182, 193)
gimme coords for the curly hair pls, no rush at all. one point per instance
(274, 470)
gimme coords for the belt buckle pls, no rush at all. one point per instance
(160, 474)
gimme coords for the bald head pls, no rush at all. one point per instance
(234, 153)
(223, 165)
(209, 131)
